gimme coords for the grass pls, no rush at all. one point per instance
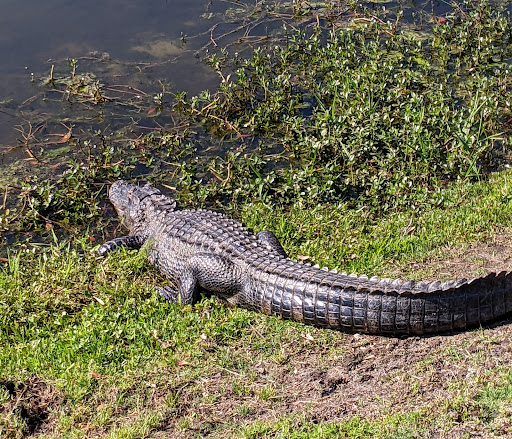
(363, 244)
(117, 361)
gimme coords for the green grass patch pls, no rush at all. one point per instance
(296, 427)
(353, 240)
(117, 360)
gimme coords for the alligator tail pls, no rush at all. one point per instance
(385, 306)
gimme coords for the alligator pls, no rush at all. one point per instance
(201, 251)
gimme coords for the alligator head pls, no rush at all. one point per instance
(127, 198)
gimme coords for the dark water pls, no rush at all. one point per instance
(148, 45)
(35, 35)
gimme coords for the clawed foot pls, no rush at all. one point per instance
(168, 293)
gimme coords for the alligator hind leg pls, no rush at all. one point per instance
(206, 271)
(168, 293)
(132, 242)
(269, 240)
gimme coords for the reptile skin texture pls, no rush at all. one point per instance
(201, 251)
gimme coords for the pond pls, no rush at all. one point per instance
(137, 48)
(137, 43)
(71, 71)
(129, 37)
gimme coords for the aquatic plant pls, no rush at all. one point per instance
(376, 113)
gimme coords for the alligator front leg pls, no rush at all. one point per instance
(134, 242)
(269, 240)
(208, 272)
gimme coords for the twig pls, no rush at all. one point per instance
(129, 87)
(31, 99)
(257, 332)
(8, 114)
(5, 197)
(211, 38)
(460, 9)
(225, 182)
(26, 138)
(230, 371)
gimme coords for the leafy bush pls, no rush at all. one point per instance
(375, 114)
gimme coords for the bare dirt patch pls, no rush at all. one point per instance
(473, 260)
(29, 410)
(358, 376)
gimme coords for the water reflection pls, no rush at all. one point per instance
(35, 34)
